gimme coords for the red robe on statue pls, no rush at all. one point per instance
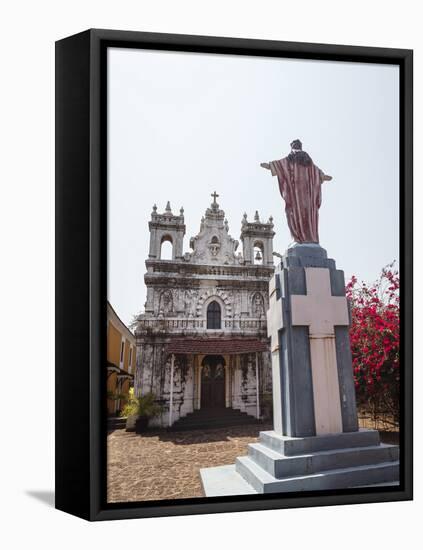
(301, 189)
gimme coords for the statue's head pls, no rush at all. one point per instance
(297, 154)
(296, 145)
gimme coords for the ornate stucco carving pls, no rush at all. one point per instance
(213, 244)
(166, 303)
(209, 295)
(257, 304)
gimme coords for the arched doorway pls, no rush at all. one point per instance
(213, 382)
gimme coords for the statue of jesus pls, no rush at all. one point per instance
(300, 182)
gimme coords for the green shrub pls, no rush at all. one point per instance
(144, 405)
(147, 405)
(131, 405)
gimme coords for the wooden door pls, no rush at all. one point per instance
(213, 383)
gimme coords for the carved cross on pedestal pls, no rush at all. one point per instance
(274, 315)
(274, 326)
(321, 312)
(214, 195)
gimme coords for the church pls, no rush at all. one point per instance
(202, 344)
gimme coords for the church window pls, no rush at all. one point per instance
(213, 316)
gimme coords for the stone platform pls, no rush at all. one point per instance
(284, 464)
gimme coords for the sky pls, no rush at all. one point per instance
(183, 125)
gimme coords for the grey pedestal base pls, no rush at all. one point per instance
(284, 464)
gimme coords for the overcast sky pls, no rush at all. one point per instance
(183, 125)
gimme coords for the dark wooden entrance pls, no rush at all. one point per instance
(213, 382)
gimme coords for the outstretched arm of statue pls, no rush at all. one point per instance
(326, 178)
(265, 165)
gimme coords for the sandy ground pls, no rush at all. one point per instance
(162, 465)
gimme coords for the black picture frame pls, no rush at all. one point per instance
(81, 260)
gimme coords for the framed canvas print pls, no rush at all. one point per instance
(233, 274)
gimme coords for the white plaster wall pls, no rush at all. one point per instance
(183, 396)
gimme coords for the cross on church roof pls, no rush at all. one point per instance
(214, 195)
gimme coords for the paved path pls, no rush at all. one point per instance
(161, 465)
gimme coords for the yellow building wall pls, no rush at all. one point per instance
(133, 359)
(115, 337)
(113, 345)
(111, 386)
(126, 355)
(125, 388)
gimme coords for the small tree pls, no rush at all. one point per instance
(375, 336)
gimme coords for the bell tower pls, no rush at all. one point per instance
(166, 227)
(257, 236)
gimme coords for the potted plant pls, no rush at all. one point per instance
(139, 410)
(130, 411)
(147, 408)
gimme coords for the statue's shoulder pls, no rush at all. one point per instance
(284, 161)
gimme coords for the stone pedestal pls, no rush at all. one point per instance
(308, 320)
(316, 443)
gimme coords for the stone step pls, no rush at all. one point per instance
(210, 421)
(116, 423)
(210, 425)
(293, 446)
(205, 413)
(281, 466)
(213, 419)
(224, 481)
(263, 482)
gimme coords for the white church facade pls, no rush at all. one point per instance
(202, 341)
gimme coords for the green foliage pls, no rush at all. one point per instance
(144, 405)
(131, 406)
(114, 396)
(147, 405)
(110, 394)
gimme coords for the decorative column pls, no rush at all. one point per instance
(227, 385)
(257, 387)
(200, 368)
(172, 366)
(196, 369)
